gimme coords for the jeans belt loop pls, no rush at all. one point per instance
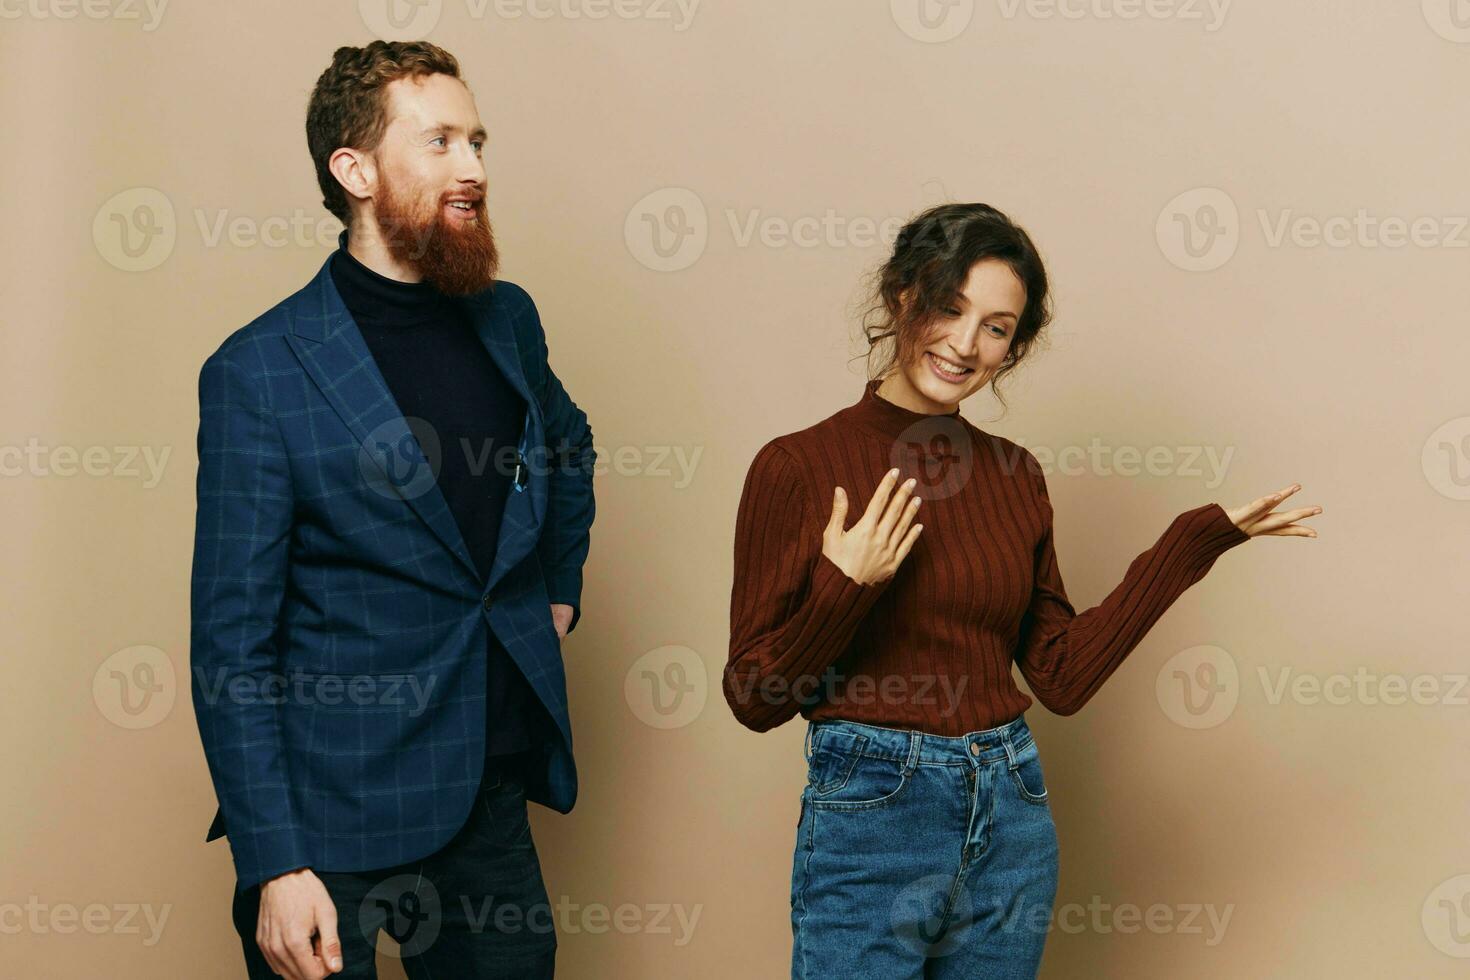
(1005, 738)
(916, 739)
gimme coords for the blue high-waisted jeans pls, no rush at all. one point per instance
(920, 857)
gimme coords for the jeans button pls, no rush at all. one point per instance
(974, 748)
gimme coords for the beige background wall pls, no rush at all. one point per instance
(1330, 828)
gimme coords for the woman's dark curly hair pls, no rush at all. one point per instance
(349, 104)
(932, 257)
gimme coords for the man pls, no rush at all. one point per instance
(394, 504)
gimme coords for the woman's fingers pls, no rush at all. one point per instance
(879, 503)
(898, 507)
(1292, 531)
(901, 527)
(1263, 505)
(838, 520)
(907, 544)
(1275, 523)
(872, 550)
(1250, 515)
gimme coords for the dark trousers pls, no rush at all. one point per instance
(476, 909)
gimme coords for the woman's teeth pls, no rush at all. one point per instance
(948, 369)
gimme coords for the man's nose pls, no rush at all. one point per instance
(469, 168)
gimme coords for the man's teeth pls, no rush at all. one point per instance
(462, 205)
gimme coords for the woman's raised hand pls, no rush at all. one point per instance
(1256, 517)
(881, 539)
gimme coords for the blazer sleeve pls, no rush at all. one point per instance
(570, 505)
(1065, 655)
(242, 534)
(792, 611)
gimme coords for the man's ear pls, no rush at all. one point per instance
(356, 171)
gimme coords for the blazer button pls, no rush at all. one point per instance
(487, 603)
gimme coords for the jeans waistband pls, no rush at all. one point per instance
(912, 747)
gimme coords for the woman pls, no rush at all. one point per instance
(925, 845)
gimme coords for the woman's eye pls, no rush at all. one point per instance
(951, 311)
(437, 139)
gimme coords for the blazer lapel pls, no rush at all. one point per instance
(332, 350)
(525, 508)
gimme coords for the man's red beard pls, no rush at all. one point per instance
(457, 257)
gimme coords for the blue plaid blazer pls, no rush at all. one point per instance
(337, 636)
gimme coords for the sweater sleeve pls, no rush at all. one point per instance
(792, 611)
(1066, 656)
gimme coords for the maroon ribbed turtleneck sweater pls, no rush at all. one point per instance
(931, 648)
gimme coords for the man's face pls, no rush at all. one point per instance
(430, 197)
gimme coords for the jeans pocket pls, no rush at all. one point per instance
(842, 777)
(1027, 776)
(834, 755)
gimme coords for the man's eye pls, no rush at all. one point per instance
(437, 139)
(951, 311)
(477, 145)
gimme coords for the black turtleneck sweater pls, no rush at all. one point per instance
(425, 346)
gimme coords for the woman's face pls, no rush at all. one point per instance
(968, 341)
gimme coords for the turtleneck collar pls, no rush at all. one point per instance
(370, 295)
(879, 415)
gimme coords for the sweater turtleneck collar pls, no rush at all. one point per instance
(381, 299)
(878, 414)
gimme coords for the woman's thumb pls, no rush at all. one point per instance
(839, 509)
